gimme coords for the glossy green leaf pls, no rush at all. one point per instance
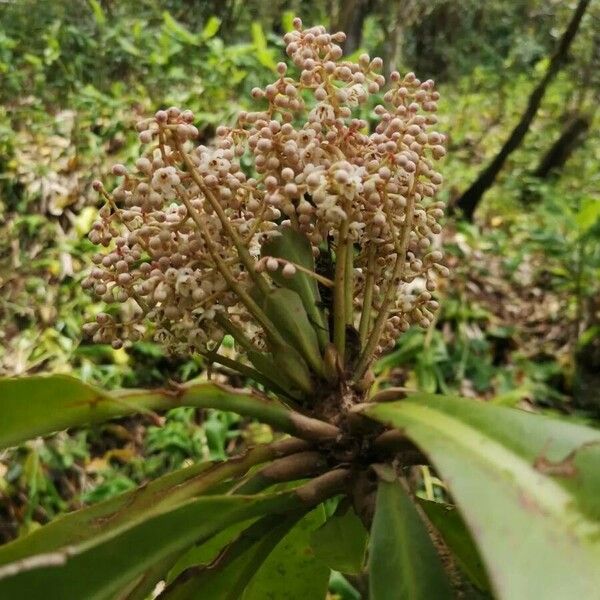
(447, 520)
(39, 405)
(227, 575)
(403, 563)
(291, 571)
(201, 555)
(104, 569)
(528, 487)
(284, 307)
(341, 543)
(293, 246)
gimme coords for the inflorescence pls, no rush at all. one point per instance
(184, 228)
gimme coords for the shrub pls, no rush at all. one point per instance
(311, 243)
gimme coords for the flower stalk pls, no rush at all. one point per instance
(291, 254)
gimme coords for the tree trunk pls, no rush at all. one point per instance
(470, 199)
(563, 147)
(350, 19)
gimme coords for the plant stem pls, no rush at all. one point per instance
(292, 467)
(323, 280)
(365, 316)
(251, 373)
(349, 282)
(391, 288)
(244, 297)
(243, 253)
(235, 332)
(339, 292)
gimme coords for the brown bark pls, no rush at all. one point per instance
(470, 199)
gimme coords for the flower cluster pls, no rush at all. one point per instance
(184, 229)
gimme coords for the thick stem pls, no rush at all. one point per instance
(290, 468)
(323, 487)
(97, 406)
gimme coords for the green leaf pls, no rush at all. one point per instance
(274, 378)
(202, 555)
(341, 543)
(211, 28)
(527, 486)
(589, 213)
(113, 515)
(178, 30)
(129, 47)
(263, 54)
(403, 563)
(447, 520)
(146, 583)
(42, 404)
(99, 15)
(293, 246)
(110, 567)
(228, 574)
(286, 310)
(292, 572)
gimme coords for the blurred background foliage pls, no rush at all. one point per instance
(520, 318)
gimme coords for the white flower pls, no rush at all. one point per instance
(165, 180)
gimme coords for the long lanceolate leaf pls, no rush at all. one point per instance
(447, 520)
(39, 405)
(100, 570)
(403, 562)
(292, 571)
(108, 566)
(527, 486)
(106, 518)
(295, 247)
(235, 565)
